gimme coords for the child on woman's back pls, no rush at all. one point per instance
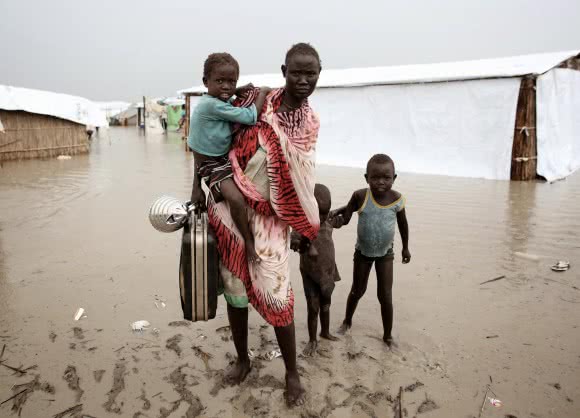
(210, 139)
(378, 208)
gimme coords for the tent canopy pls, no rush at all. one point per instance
(423, 73)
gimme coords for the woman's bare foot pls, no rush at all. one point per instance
(294, 391)
(390, 342)
(328, 336)
(251, 253)
(238, 372)
(344, 328)
(310, 349)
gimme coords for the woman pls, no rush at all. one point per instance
(273, 164)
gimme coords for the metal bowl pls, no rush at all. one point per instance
(168, 214)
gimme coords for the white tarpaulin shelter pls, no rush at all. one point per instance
(113, 108)
(72, 108)
(449, 118)
(558, 125)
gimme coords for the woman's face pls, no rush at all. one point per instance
(301, 75)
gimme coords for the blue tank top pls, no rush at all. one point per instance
(376, 226)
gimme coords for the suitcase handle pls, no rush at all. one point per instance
(191, 207)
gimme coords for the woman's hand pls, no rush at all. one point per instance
(198, 199)
(243, 90)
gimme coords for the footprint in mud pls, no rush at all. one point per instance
(78, 333)
(73, 380)
(173, 344)
(118, 386)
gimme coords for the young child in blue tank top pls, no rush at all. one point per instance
(379, 207)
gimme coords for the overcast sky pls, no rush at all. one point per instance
(121, 49)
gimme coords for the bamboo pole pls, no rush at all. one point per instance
(524, 149)
(144, 117)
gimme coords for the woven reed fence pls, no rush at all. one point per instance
(30, 135)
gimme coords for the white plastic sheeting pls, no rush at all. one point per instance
(64, 106)
(113, 108)
(457, 129)
(421, 73)
(558, 123)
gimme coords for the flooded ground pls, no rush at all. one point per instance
(75, 233)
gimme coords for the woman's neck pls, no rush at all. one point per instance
(290, 102)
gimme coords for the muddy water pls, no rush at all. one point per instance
(75, 233)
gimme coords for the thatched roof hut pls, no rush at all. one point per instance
(42, 124)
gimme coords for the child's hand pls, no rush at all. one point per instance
(406, 256)
(243, 90)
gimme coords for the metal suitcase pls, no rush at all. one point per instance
(198, 269)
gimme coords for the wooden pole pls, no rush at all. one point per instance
(144, 112)
(524, 149)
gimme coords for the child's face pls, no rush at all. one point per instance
(301, 75)
(222, 81)
(380, 178)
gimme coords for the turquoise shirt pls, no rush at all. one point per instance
(209, 131)
(376, 226)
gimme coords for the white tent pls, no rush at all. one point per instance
(449, 118)
(72, 108)
(113, 108)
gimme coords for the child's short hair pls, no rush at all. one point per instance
(322, 196)
(302, 48)
(219, 58)
(380, 159)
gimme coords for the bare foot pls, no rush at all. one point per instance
(237, 372)
(294, 390)
(251, 254)
(344, 328)
(329, 336)
(310, 349)
(390, 342)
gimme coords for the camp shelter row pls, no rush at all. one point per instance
(38, 124)
(503, 118)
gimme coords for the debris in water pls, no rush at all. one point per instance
(155, 331)
(271, 355)
(561, 266)
(492, 336)
(140, 325)
(556, 385)
(492, 280)
(79, 314)
(495, 402)
(251, 354)
(73, 411)
(160, 302)
(64, 157)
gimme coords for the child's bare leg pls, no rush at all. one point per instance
(360, 278)
(313, 305)
(238, 318)
(384, 269)
(235, 199)
(325, 321)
